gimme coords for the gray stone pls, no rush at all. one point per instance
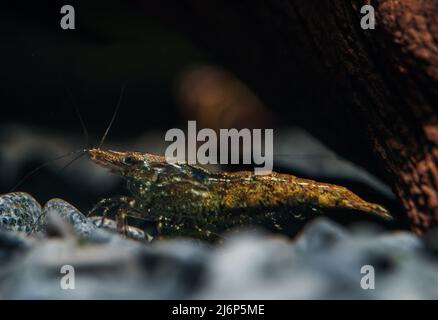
(19, 211)
(81, 225)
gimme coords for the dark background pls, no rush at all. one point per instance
(113, 45)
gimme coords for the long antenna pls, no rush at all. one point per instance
(81, 119)
(116, 110)
(72, 161)
(27, 176)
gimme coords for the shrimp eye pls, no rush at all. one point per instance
(129, 160)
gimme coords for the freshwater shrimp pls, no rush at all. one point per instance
(188, 200)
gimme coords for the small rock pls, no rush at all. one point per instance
(81, 225)
(110, 225)
(320, 234)
(19, 211)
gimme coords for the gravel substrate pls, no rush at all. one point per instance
(324, 261)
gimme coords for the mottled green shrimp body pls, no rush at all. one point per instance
(191, 201)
